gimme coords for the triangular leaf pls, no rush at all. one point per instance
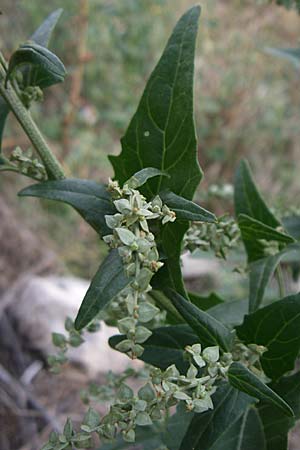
(186, 209)
(275, 326)
(108, 282)
(162, 135)
(246, 381)
(90, 199)
(209, 330)
(163, 125)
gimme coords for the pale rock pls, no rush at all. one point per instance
(40, 308)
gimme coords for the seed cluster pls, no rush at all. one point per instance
(136, 245)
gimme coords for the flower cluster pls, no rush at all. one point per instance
(73, 338)
(163, 390)
(28, 165)
(219, 237)
(136, 245)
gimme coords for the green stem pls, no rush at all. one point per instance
(280, 280)
(53, 167)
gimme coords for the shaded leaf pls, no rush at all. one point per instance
(165, 347)
(205, 302)
(186, 209)
(275, 326)
(142, 176)
(246, 381)
(108, 282)
(40, 67)
(209, 330)
(42, 35)
(90, 199)
(247, 433)
(276, 424)
(177, 427)
(231, 313)
(212, 430)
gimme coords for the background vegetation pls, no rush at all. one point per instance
(247, 102)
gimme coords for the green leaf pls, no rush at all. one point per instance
(42, 35)
(261, 273)
(205, 302)
(246, 381)
(248, 200)
(170, 274)
(165, 346)
(210, 331)
(186, 209)
(108, 282)
(176, 428)
(40, 67)
(142, 176)
(276, 424)
(290, 54)
(212, 430)
(162, 133)
(231, 313)
(275, 326)
(245, 434)
(253, 232)
(90, 199)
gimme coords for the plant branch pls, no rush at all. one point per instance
(53, 167)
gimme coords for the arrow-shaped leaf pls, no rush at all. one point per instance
(108, 282)
(246, 381)
(90, 199)
(209, 330)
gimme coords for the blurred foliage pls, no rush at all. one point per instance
(247, 102)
